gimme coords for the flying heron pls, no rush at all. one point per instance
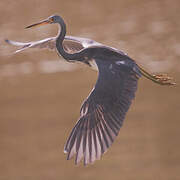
(103, 112)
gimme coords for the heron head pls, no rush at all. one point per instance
(50, 20)
(54, 19)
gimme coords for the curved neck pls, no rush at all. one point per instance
(59, 45)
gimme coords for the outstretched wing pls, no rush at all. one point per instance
(103, 112)
(71, 44)
(48, 43)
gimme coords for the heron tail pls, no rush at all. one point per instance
(162, 79)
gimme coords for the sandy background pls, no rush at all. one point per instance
(40, 96)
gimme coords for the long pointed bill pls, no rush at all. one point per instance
(44, 22)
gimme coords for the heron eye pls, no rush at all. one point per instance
(51, 19)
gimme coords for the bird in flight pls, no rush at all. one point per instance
(103, 112)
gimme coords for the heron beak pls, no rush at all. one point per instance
(44, 22)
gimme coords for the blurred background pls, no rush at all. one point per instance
(40, 96)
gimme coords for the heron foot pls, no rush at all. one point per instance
(163, 79)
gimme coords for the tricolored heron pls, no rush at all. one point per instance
(103, 112)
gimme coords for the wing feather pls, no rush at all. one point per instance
(103, 112)
(71, 44)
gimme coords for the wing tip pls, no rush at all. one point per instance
(7, 41)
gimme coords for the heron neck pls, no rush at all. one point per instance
(59, 45)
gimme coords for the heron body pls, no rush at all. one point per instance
(103, 112)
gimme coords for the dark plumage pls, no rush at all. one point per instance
(103, 112)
